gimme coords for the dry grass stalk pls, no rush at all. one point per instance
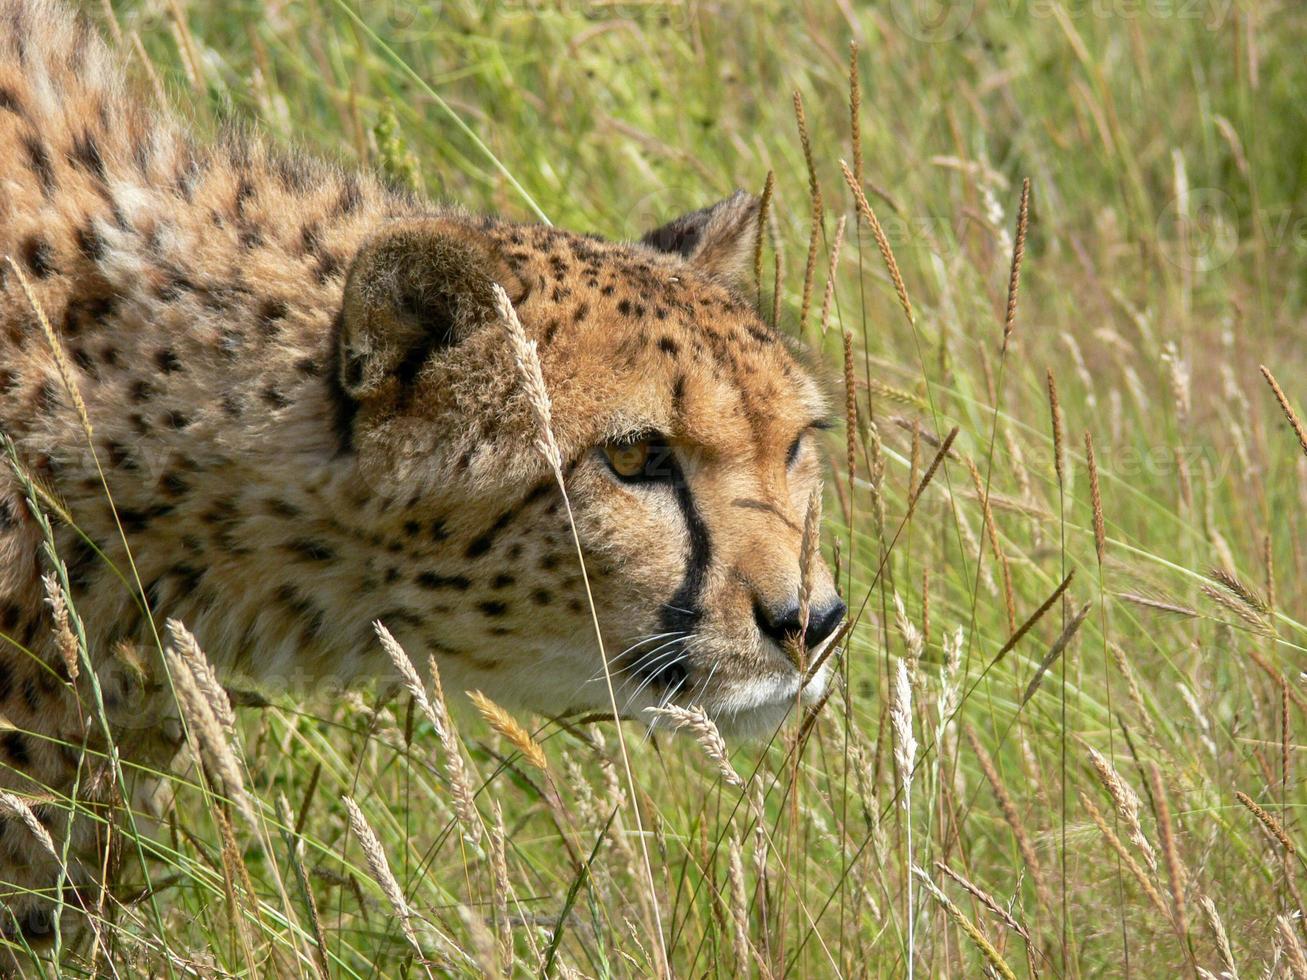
(407, 674)
(828, 295)
(296, 849)
(705, 733)
(1244, 593)
(1127, 806)
(1096, 499)
(855, 110)
(1175, 869)
(913, 640)
(1278, 679)
(379, 868)
(850, 408)
(1034, 617)
(502, 887)
(436, 712)
(1013, 818)
(1268, 821)
(1132, 687)
(460, 786)
(818, 212)
(206, 679)
(940, 456)
(1140, 875)
(973, 932)
(807, 557)
(882, 240)
(64, 637)
(984, 898)
(1160, 604)
(900, 717)
(1213, 919)
(1237, 606)
(1268, 562)
(1055, 651)
(1289, 413)
(509, 727)
(1293, 950)
(764, 208)
(62, 364)
(528, 367)
(1178, 376)
(1059, 438)
(204, 726)
(1018, 252)
(900, 396)
(743, 948)
(991, 532)
(905, 755)
(18, 807)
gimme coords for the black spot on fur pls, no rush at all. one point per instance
(669, 346)
(141, 391)
(167, 360)
(272, 311)
(502, 581)
(39, 256)
(430, 580)
(90, 243)
(172, 485)
(274, 397)
(86, 154)
(493, 608)
(483, 542)
(9, 101)
(38, 158)
(541, 597)
(15, 747)
(310, 550)
(120, 457)
(175, 420)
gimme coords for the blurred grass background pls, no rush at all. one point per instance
(1165, 145)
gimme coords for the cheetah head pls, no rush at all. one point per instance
(686, 426)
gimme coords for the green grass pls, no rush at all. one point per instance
(1167, 150)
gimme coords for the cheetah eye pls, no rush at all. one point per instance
(793, 453)
(640, 460)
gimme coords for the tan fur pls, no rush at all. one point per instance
(278, 500)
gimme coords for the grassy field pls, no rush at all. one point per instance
(1073, 800)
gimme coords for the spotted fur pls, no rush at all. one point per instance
(307, 418)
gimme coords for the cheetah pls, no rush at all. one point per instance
(304, 418)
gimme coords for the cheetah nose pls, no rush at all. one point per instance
(779, 626)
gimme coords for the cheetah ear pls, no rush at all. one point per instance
(718, 240)
(413, 290)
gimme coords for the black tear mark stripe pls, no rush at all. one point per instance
(682, 612)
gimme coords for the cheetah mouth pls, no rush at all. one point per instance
(747, 706)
